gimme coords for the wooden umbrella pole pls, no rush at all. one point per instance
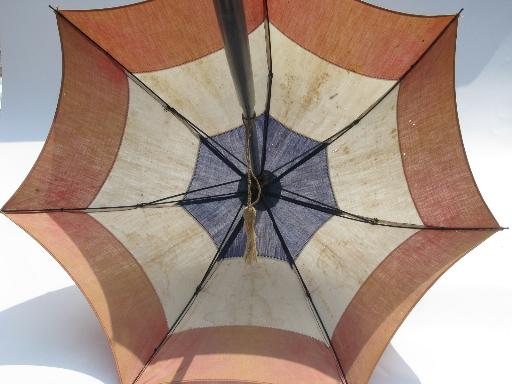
(231, 18)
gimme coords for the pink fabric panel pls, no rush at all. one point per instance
(357, 36)
(435, 164)
(159, 34)
(445, 194)
(242, 354)
(391, 291)
(86, 133)
(113, 282)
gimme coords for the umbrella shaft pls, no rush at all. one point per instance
(231, 18)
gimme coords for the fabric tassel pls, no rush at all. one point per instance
(250, 255)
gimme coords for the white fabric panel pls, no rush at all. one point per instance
(266, 294)
(172, 248)
(338, 260)
(203, 90)
(366, 169)
(156, 157)
(314, 97)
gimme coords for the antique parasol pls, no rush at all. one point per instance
(256, 191)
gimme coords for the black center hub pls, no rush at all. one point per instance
(270, 190)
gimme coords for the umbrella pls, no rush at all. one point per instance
(257, 191)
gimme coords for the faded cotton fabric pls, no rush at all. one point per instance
(311, 179)
(111, 144)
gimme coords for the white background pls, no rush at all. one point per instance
(460, 332)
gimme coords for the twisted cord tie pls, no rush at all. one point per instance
(250, 254)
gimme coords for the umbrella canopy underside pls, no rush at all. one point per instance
(139, 190)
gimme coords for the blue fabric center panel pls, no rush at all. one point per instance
(296, 223)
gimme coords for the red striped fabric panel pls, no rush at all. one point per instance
(86, 133)
(444, 193)
(242, 354)
(76, 160)
(111, 279)
(159, 34)
(357, 36)
(434, 160)
(391, 291)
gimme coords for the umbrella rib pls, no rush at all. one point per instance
(224, 245)
(302, 158)
(159, 203)
(270, 76)
(208, 199)
(202, 134)
(219, 154)
(196, 190)
(322, 207)
(293, 265)
(165, 204)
